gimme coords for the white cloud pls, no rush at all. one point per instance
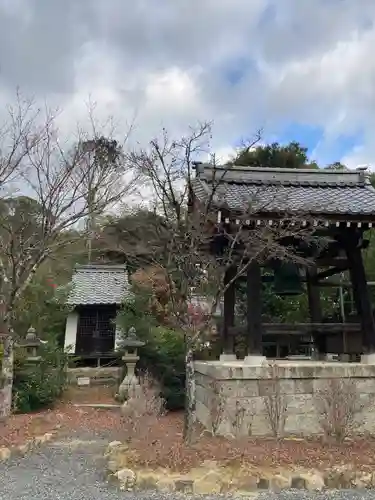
(172, 90)
(244, 65)
(224, 154)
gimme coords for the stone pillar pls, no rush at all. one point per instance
(130, 385)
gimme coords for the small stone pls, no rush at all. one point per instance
(279, 482)
(313, 481)
(210, 483)
(114, 444)
(112, 466)
(363, 480)
(126, 479)
(184, 485)
(263, 483)
(5, 454)
(298, 483)
(48, 436)
(340, 477)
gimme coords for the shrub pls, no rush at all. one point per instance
(338, 404)
(275, 402)
(40, 384)
(164, 357)
(143, 409)
(164, 353)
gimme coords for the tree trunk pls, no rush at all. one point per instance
(7, 362)
(190, 396)
(6, 378)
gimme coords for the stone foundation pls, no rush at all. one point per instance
(95, 376)
(234, 398)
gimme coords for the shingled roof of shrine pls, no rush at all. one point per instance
(278, 190)
(99, 284)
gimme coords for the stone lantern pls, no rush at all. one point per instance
(131, 343)
(31, 344)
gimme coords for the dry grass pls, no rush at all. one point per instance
(19, 428)
(64, 417)
(144, 410)
(164, 447)
(338, 403)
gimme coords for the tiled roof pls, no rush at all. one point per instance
(270, 190)
(99, 284)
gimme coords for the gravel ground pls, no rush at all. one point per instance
(71, 470)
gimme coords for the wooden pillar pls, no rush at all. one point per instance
(229, 307)
(315, 309)
(361, 293)
(254, 310)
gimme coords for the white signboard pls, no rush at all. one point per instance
(83, 381)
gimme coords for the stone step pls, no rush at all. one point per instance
(104, 406)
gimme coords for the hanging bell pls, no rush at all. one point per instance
(287, 279)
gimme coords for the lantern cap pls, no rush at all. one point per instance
(31, 339)
(131, 339)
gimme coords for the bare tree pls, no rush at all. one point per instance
(19, 134)
(181, 231)
(56, 189)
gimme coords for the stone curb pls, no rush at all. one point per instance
(210, 478)
(22, 449)
(98, 406)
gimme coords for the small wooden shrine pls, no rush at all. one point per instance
(96, 293)
(338, 205)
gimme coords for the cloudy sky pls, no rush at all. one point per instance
(300, 69)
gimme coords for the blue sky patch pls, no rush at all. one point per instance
(323, 151)
(307, 135)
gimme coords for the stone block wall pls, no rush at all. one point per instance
(239, 399)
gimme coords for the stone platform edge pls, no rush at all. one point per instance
(212, 478)
(237, 370)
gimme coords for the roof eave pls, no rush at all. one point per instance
(76, 304)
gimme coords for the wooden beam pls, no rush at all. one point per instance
(315, 308)
(254, 309)
(345, 284)
(329, 272)
(360, 290)
(331, 261)
(313, 296)
(229, 306)
(300, 328)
